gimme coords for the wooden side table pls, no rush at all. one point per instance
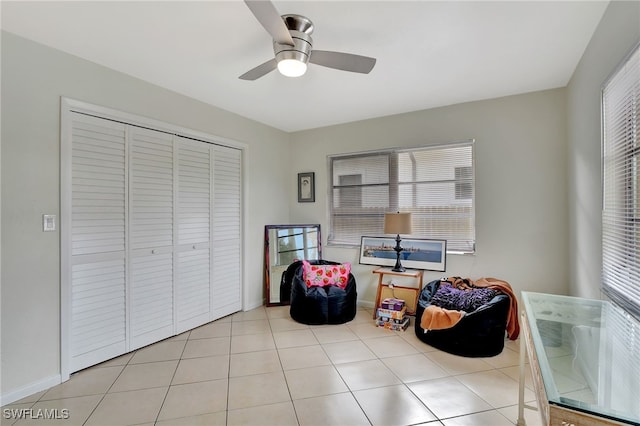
(398, 291)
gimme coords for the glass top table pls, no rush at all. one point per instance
(588, 353)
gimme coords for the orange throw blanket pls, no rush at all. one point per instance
(436, 318)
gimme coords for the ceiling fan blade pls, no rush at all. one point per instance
(342, 61)
(266, 13)
(260, 70)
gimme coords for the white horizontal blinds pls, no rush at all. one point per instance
(98, 327)
(227, 225)
(151, 236)
(436, 185)
(193, 293)
(621, 185)
(360, 196)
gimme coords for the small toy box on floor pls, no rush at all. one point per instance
(393, 324)
(392, 315)
(393, 304)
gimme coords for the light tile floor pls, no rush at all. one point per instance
(262, 368)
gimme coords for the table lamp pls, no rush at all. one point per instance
(397, 223)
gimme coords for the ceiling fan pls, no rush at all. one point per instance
(292, 45)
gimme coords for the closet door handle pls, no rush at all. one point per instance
(153, 251)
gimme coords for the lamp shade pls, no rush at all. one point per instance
(397, 223)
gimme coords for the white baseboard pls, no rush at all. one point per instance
(366, 304)
(30, 389)
(253, 305)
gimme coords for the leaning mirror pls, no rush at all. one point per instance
(284, 244)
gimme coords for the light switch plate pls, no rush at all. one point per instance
(48, 222)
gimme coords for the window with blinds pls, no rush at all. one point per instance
(434, 183)
(621, 185)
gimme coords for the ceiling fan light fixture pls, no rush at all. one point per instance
(292, 46)
(292, 60)
(292, 67)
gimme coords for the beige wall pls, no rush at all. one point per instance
(34, 78)
(521, 208)
(617, 33)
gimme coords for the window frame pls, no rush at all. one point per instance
(394, 184)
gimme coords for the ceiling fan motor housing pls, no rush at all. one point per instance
(300, 29)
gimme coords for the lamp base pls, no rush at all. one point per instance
(398, 267)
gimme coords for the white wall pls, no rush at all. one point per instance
(521, 208)
(34, 78)
(617, 33)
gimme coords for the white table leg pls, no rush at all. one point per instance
(523, 351)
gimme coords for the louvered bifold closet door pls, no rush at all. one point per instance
(151, 215)
(227, 234)
(97, 240)
(193, 287)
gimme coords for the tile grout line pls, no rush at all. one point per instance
(164, 400)
(226, 411)
(295, 412)
(395, 333)
(109, 388)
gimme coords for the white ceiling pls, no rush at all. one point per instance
(430, 53)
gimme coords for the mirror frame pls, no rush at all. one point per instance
(267, 263)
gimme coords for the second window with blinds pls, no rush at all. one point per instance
(434, 183)
(621, 184)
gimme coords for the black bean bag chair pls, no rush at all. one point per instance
(286, 280)
(479, 333)
(318, 305)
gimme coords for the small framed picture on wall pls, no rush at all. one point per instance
(306, 187)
